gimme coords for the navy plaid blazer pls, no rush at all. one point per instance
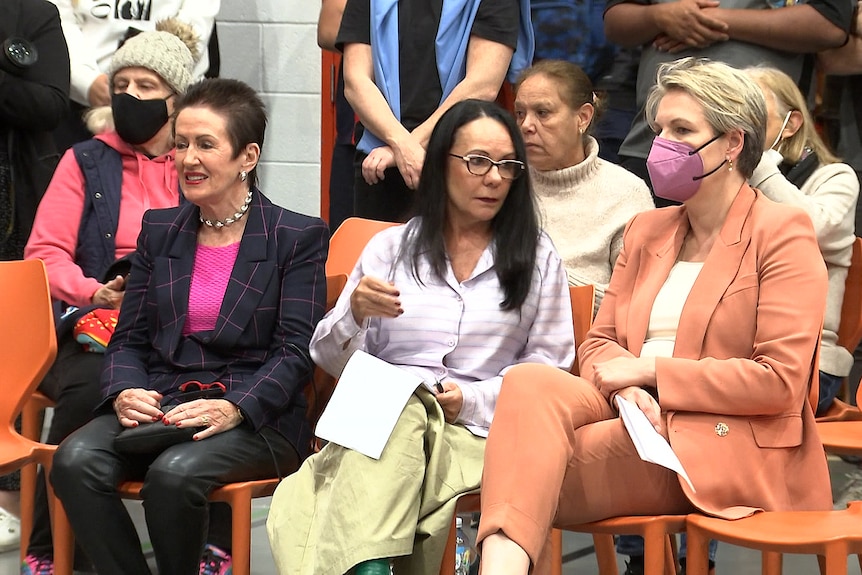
(259, 347)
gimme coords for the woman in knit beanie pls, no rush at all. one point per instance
(585, 201)
(89, 221)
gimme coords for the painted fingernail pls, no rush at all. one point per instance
(134, 424)
(157, 417)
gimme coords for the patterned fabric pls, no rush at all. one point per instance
(210, 276)
(573, 30)
(259, 347)
(95, 328)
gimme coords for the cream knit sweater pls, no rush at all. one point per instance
(584, 211)
(829, 196)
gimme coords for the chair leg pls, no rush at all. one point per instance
(606, 553)
(29, 476)
(31, 426)
(670, 562)
(240, 505)
(697, 552)
(836, 559)
(447, 567)
(771, 563)
(64, 538)
(655, 540)
(556, 552)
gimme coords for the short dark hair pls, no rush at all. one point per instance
(515, 228)
(237, 102)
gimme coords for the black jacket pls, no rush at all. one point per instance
(33, 100)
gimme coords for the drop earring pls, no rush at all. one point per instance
(730, 165)
(243, 176)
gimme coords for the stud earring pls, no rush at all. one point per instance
(243, 176)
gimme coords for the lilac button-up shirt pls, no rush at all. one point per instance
(453, 331)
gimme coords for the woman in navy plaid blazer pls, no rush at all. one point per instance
(224, 290)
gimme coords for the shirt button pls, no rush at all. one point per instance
(97, 195)
(451, 343)
(721, 429)
(108, 235)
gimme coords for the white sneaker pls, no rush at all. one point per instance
(10, 531)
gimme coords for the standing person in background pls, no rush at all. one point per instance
(341, 171)
(405, 64)
(94, 29)
(34, 86)
(585, 201)
(797, 168)
(90, 218)
(738, 32)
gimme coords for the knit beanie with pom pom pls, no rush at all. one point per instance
(170, 51)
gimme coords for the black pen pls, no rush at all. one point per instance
(439, 387)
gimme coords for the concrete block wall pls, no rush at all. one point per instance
(272, 46)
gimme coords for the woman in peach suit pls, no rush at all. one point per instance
(710, 325)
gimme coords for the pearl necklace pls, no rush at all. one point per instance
(229, 220)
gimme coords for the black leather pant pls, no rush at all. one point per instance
(176, 483)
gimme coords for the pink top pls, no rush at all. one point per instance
(210, 276)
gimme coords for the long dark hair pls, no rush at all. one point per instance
(515, 228)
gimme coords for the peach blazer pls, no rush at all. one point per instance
(735, 392)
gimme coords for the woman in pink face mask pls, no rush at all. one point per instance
(710, 327)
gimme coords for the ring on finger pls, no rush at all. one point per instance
(205, 419)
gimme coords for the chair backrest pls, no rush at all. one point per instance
(583, 299)
(348, 241)
(30, 344)
(850, 328)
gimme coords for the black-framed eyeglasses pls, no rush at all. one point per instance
(479, 165)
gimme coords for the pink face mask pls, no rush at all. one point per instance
(676, 168)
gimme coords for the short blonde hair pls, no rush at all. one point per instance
(730, 100)
(786, 95)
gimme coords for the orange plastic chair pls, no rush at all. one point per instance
(831, 535)
(26, 356)
(237, 495)
(582, 300)
(348, 241)
(849, 331)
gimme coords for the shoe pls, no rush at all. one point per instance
(10, 531)
(33, 565)
(851, 490)
(635, 565)
(216, 561)
(373, 567)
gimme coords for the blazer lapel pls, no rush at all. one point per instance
(251, 274)
(656, 259)
(719, 270)
(172, 275)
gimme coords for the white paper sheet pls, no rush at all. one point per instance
(366, 404)
(650, 444)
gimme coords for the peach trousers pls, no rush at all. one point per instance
(557, 454)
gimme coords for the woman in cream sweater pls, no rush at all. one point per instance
(585, 201)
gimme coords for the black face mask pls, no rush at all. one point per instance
(137, 121)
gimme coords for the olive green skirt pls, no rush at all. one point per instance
(341, 507)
